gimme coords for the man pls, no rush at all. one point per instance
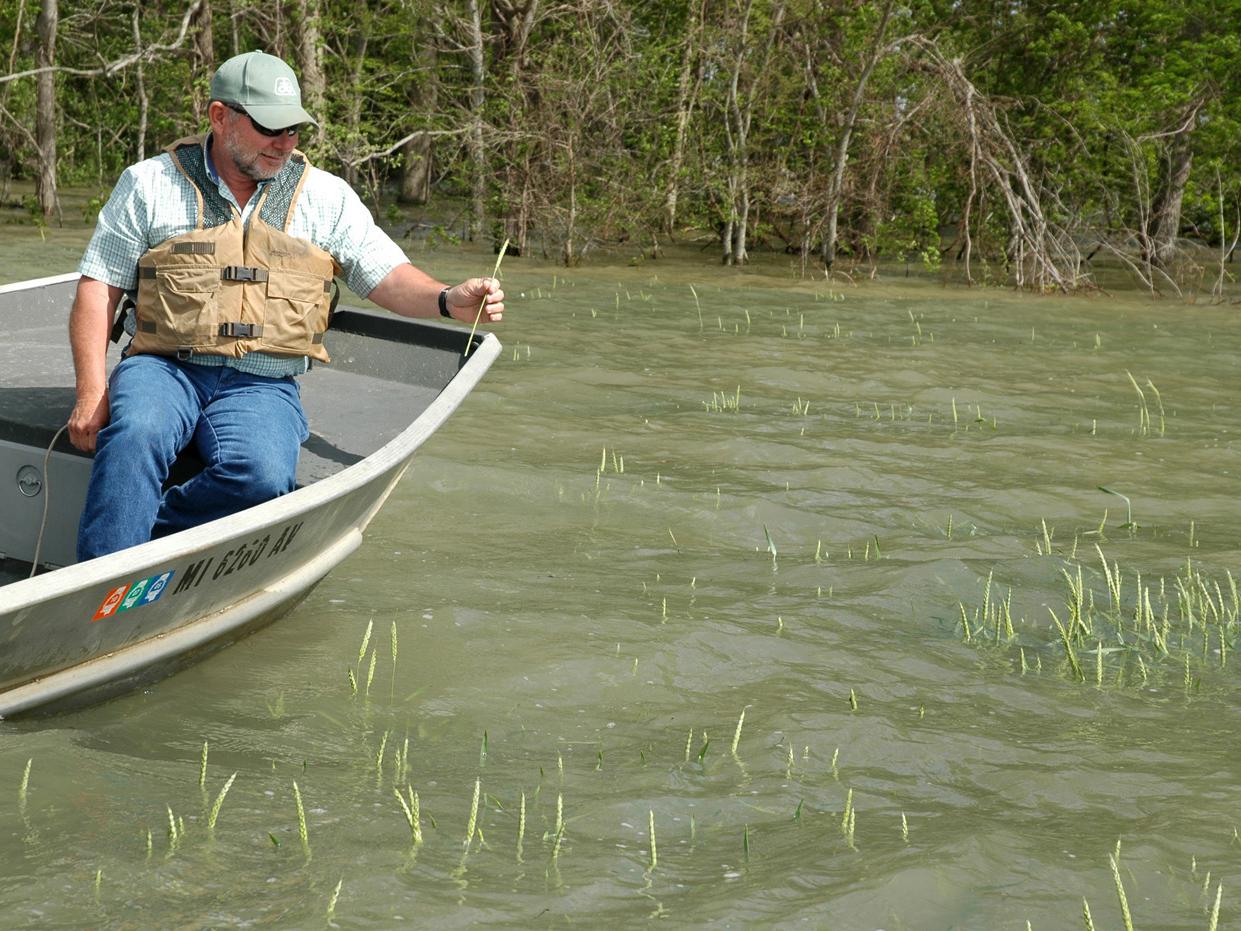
(227, 244)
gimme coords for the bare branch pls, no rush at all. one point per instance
(20, 126)
(416, 134)
(1043, 252)
(150, 53)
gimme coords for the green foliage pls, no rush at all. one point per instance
(92, 205)
(581, 115)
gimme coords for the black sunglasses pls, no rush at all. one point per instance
(263, 130)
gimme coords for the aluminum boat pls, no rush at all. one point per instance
(76, 633)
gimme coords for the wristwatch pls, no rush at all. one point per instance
(444, 303)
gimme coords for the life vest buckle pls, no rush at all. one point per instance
(243, 273)
(241, 330)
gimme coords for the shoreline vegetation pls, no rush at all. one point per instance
(1054, 150)
(433, 234)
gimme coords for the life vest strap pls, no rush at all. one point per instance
(118, 322)
(246, 273)
(193, 248)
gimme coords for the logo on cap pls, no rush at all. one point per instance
(284, 88)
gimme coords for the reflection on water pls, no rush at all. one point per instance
(699, 559)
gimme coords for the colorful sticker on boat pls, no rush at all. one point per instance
(132, 596)
(111, 602)
(157, 586)
(145, 591)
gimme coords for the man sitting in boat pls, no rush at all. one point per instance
(227, 244)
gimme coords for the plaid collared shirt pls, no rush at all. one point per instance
(153, 202)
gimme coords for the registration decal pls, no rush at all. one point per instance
(145, 591)
(149, 590)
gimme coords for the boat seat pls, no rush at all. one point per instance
(341, 408)
(31, 416)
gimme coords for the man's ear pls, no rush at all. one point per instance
(216, 113)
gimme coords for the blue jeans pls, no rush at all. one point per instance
(247, 429)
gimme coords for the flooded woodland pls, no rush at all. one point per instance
(729, 598)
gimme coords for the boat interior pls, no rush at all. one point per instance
(384, 373)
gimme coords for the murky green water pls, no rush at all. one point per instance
(581, 575)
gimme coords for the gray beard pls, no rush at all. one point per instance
(250, 166)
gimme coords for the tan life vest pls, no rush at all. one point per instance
(224, 289)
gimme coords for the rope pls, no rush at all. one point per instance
(47, 494)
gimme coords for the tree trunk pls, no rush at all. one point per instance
(836, 185)
(570, 259)
(353, 112)
(416, 170)
(144, 102)
(1167, 208)
(521, 224)
(741, 253)
(738, 117)
(478, 98)
(687, 92)
(514, 21)
(202, 63)
(735, 127)
(308, 50)
(418, 154)
(45, 120)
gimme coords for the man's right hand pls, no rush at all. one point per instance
(90, 415)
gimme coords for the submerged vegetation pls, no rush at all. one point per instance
(1157, 630)
(835, 826)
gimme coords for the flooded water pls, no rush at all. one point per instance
(771, 567)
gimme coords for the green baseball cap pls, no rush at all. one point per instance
(264, 86)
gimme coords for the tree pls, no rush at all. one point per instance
(746, 83)
(478, 101)
(418, 153)
(308, 52)
(689, 84)
(840, 156)
(45, 120)
(1035, 133)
